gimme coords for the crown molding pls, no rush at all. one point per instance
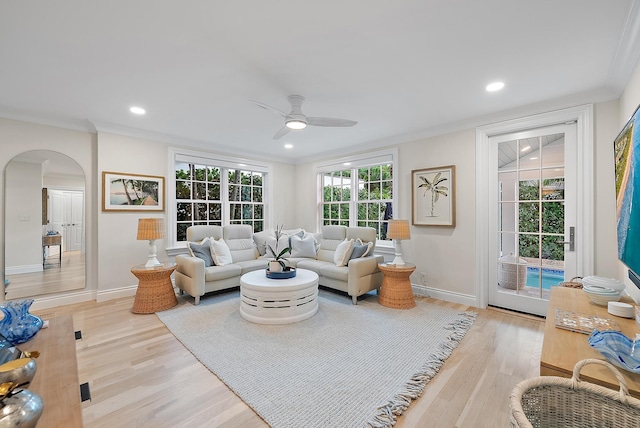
(628, 52)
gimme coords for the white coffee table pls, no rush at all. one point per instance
(278, 301)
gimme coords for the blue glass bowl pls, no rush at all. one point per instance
(617, 348)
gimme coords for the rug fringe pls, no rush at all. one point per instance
(388, 413)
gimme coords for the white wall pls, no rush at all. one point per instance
(23, 217)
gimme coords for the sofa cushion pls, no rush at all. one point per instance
(343, 252)
(242, 249)
(312, 265)
(251, 265)
(198, 233)
(216, 273)
(340, 273)
(220, 252)
(201, 250)
(303, 246)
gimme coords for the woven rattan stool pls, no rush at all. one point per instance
(395, 291)
(155, 291)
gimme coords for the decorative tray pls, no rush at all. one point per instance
(282, 275)
(583, 323)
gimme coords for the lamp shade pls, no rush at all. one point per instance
(150, 228)
(398, 229)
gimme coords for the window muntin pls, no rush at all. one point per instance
(213, 195)
(371, 205)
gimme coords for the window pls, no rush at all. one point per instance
(210, 191)
(361, 195)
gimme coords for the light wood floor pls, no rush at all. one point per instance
(70, 275)
(140, 375)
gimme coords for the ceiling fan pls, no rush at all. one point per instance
(295, 119)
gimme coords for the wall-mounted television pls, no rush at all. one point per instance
(627, 168)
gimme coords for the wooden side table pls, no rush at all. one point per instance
(395, 291)
(155, 291)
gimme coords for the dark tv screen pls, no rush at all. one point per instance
(627, 168)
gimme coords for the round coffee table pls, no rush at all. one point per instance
(278, 301)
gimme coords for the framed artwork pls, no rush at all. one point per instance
(132, 192)
(433, 197)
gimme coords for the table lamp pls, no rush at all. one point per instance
(398, 230)
(151, 229)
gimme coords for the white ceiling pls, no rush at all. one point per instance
(403, 69)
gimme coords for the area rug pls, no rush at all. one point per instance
(347, 366)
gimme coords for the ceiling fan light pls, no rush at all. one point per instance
(296, 124)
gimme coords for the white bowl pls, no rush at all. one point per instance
(603, 282)
(602, 299)
(596, 289)
(620, 309)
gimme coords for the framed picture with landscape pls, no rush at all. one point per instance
(132, 192)
(433, 196)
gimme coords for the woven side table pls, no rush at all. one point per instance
(155, 291)
(395, 291)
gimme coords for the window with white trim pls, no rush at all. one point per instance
(361, 195)
(209, 191)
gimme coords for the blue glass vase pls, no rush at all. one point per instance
(18, 325)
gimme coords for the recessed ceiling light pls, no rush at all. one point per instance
(242, 164)
(288, 146)
(524, 149)
(346, 163)
(495, 86)
(137, 110)
(533, 158)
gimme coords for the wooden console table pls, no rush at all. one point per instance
(562, 349)
(56, 379)
(49, 241)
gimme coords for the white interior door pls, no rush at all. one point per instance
(56, 216)
(532, 213)
(73, 220)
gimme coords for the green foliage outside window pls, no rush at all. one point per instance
(541, 219)
(371, 201)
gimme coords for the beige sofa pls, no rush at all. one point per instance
(360, 276)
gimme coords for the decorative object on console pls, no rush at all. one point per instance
(132, 192)
(398, 231)
(18, 325)
(19, 407)
(151, 229)
(617, 348)
(433, 196)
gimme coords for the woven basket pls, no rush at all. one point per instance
(550, 401)
(573, 283)
(512, 272)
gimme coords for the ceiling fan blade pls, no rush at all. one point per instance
(329, 121)
(283, 131)
(268, 107)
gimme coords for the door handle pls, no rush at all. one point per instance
(572, 239)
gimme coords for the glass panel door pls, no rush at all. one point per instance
(531, 217)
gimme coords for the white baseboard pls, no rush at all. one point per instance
(116, 293)
(449, 296)
(47, 302)
(17, 270)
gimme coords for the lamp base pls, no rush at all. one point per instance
(152, 262)
(398, 261)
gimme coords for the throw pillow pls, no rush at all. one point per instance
(201, 250)
(220, 252)
(369, 247)
(303, 246)
(359, 250)
(260, 238)
(343, 252)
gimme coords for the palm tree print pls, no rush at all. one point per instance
(435, 188)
